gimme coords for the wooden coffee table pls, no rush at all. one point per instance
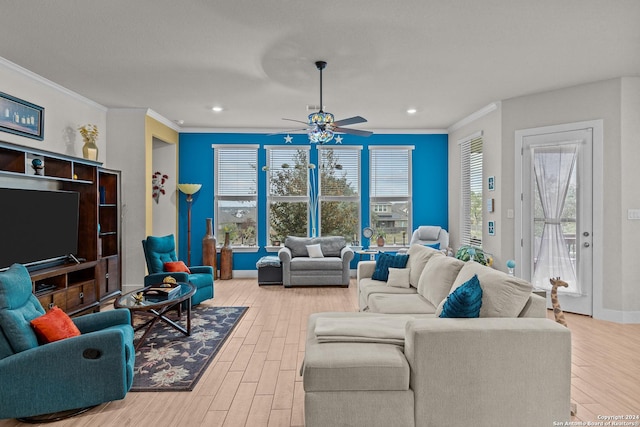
(157, 307)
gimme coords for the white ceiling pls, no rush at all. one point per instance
(255, 58)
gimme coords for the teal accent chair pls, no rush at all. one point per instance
(72, 374)
(158, 250)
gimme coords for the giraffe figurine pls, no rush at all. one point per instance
(559, 315)
(557, 311)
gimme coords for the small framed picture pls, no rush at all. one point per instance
(491, 183)
(491, 228)
(20, 117)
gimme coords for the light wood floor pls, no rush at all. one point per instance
(255, 381)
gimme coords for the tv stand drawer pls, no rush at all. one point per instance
(57, 299)
(81, 296)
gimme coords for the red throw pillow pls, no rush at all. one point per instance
(176, 267)
(56, 325)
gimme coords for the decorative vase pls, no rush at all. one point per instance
(226, 259)
(90, 150)
(209, 248)
(380, 241)
(37, 166)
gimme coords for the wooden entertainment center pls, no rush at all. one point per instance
(74, 287)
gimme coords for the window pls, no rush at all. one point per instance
(236, 196)
(471, 190)
(390, 192)
(287, 182)
(339, 191)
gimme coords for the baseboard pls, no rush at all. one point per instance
(245, 274)
(618, 316)
(253, 274)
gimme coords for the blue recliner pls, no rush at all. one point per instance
(83, 371)
(158, 250)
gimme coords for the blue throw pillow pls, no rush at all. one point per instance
(435, 246)
(385, 261)
(465, 301)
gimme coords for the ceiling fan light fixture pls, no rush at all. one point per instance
(320, 127)
(320, 136)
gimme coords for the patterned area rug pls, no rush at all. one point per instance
(171, 361)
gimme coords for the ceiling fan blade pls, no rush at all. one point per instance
(350, 121)
(298, 121)
(288, 131)
(358, 132)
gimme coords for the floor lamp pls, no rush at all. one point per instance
(189, 190)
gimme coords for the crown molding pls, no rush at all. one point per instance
(474, 116)
(277, 131)
(168, 123)
(46, 82)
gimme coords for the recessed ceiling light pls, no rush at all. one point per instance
(217, 109)
(411, 111)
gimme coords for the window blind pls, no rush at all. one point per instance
(236, 171)
(390, 172)
(340, 171)
(287, 164)
(471, 179)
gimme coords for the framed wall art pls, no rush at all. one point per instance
(21, 117)
(491, 183)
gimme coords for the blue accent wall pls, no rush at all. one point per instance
(196, 165)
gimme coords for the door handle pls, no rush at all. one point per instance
(586, 244)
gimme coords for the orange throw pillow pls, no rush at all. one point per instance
(56, 325)
(176, 267)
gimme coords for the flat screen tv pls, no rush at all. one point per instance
(37, 228)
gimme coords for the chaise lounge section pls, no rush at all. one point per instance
(398, 363)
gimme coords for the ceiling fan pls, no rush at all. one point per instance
(321, 124)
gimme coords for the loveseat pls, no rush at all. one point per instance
(397, 363)
(327, 264)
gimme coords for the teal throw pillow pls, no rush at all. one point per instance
(385, 261)
(465, 301)
(435, 246)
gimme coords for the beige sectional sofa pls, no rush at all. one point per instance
(398, 364)
(432, 276)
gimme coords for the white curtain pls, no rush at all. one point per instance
(553, 167)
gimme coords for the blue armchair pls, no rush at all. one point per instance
(74, 373)
(158, 250)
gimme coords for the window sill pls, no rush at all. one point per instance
(389, 248)
(273, 248)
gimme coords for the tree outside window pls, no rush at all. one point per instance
(287, 176)
(340, 192)
(295, 186)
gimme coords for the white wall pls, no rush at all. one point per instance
(127, 127)
(165, 218)
(617, 103)
(64, 112)
(630, 192)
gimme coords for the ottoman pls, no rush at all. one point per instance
(269, 271)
